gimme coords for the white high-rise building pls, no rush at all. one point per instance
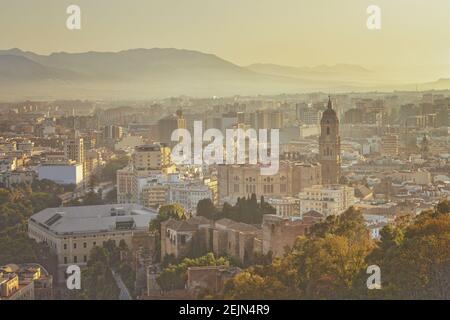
(68, 172)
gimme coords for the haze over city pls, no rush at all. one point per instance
(224, 150)
(299, 33)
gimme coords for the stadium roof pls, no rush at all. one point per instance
(94, 219)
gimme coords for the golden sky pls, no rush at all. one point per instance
(288, 32)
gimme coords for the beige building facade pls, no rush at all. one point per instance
(327, 200)
(241, 180)
(72, 232)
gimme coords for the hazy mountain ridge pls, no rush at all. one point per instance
(20, 68)
(135, 63)
(145, 73)
(338, 72)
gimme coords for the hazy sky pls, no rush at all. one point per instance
(290, 32)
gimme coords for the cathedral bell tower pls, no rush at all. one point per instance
(330, 146)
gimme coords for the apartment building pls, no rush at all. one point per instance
(389, 144)
(74, 150)
(125, 181)
(147, 158)
(285, 206)
(69, 172)
(327, 200)
(29, 281)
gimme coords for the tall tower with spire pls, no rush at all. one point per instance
(424, 147)
(330, 146)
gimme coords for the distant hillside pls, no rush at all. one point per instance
(20, 69)
(134, 64)
(153, 73)
(339, 72)
(441, 84)
(140, 73)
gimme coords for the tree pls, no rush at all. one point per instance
(174, 276)
(91, 198)
(109, 171)
(169, 211)
(17, 204)
(251, 286)
(415, 258)
(276, 280)
(245, 210)
(327, 267)
(93, 180)
(206, 208)
(324, 264)
(349, 224)
(111, 196)
(97, 281)
(41, 200)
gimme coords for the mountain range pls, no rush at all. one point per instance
(338, 72)
(146, 73)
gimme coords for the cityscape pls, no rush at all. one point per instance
(175, 174)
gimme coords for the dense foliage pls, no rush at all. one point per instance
(98, 282)
(109, 171)
(415, 257)
(331, 263)
(246, 210)
(174, 276)
(169, 211)
(16, 206)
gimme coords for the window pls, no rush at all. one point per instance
(75, 259)
(84, 245)
(65, 246)
(65, 260)
(328, 130)
(74, 245)
(85, 258)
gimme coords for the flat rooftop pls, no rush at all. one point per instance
(94, 219)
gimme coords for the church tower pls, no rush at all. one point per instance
(424, 147)
(330, 146)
